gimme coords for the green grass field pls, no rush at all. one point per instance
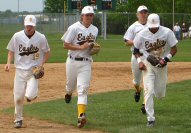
(117, 112)
(113, 49)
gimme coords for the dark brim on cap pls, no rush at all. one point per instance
(144, 10)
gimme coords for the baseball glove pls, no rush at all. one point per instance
(156, 61)
(38, 72)
(94, 48)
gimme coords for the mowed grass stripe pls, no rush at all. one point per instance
(117, 112)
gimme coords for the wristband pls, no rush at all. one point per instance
(169, 56)
(139, 60)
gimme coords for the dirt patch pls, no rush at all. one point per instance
(105, 77)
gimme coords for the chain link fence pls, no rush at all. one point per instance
(116, 23)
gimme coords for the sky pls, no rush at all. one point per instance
(24, 5)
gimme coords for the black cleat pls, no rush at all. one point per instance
(143, 109)
(18, 124)
(150, 123)
(81, 120)
(137, 96)
(68, 98)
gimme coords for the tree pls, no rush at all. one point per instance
(54, 6)
(158, 6)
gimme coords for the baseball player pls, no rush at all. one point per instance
(189, 31)
(28, 48)
(142, 14)
(177, 31)
(159, 43)
(184, 31)
(78, 64)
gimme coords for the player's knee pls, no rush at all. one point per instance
(82, 94)
(18, 100)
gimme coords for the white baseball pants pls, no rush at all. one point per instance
(154, 80)
(25, 85)
(78, 74)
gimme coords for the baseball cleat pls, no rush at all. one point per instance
(68, 98)
(150, 123)
(143, 109)
(18, 124)
(81, 120)
(137, 96)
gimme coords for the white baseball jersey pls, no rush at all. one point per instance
(154, 78)
(132, 31)
(157, 44)
(77, 34)
(28, 52)
(177, 28)
(189, 31)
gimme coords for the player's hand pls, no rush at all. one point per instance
(84, 46)
(7, 67)
(142, 66)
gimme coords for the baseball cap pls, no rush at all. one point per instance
(153, 20)
(142, 8)
(87, 10)
(30, 20)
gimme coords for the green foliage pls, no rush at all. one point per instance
(162, 7)
(54, 7)
(117, 112)
(158, 6)
(118, 23)
(97, 23)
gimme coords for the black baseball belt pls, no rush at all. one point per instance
(79, 58)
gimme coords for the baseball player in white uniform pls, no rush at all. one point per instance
(159, 42)
(136, 27)
(78, 64)
(189, 31)
(28, 48)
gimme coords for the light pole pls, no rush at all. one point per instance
(64, 15)
(18, 6)
(42, 6)
(173, 14)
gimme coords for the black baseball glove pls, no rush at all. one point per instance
(156, 61)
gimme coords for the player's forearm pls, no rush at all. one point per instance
(46, 57)
(129, 43)
(136, 52)
(171, 54)
(173, 51)
(10, 57)
(70, 46)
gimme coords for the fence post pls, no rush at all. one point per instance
(105, 25)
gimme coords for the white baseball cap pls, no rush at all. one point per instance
(30, 20)
(87, 10)
(153, 20)
(142, 8)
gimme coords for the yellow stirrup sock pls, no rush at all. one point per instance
(81, 109)
(137, 88)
